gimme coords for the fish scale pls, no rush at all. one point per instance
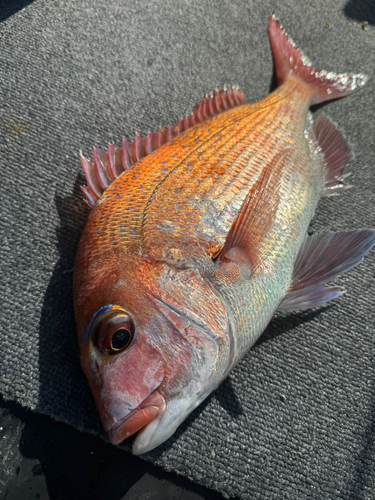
(197, 235)
(126, 203)
(203, 199)
(127, 188)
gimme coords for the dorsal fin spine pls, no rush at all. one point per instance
(141, 152)
(148, 145)
(221, 103)
(200, 113)
(211, 111)
(136, 146)
(107, 166)
(114, 160)
(92, 181)
(216, 102)
(170, 133)
(206, 110)
(89, 198)
(230, 100)
(216, 108)
(101, 169)
(111, 161)
(234, 97)
(126, 164)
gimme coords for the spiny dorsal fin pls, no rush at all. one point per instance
(337, 154)
(322, 258)
(108, 165)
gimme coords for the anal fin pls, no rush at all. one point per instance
(337, 153)
(313, 297)
(321, 259)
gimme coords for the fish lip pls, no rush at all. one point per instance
(152, 407)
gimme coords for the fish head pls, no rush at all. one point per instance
(154, 342)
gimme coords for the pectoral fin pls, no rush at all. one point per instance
(257, 214)
(321, 259)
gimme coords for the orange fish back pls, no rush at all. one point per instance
(189, 191)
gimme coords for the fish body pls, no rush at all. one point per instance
(191, 249)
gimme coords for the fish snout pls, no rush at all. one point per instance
(150, 409)
(126, 388)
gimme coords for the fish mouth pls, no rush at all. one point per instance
(151, 408)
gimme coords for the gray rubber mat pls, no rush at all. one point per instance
(296, 418)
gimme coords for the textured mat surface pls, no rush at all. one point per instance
(296, 418)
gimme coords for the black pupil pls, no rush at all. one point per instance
(120, 338)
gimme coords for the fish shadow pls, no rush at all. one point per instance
(59, 369)
(282, 323)
(78, 465)
(360, 483)
(10, 7)
(362, 11)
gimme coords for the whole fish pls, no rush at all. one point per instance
(197, 235)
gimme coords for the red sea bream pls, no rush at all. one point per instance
(197, 235)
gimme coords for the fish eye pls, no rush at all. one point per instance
(120, 339)
(114, 333)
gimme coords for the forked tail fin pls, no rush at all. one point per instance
(290, 61)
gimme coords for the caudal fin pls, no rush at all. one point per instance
(289, 60)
